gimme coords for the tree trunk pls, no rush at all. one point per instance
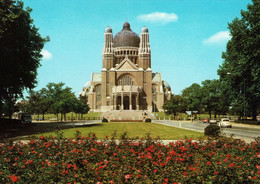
(42, 116)
(209, 114)
(38, 116)
(254, 113)
(64, 116)
(61, 116)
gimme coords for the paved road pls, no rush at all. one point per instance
(246, 133)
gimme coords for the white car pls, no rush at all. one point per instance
(224, 122)
(213, 121)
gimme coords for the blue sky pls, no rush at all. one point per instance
(187, 37)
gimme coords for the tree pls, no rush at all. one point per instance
(81, 106)
(60, 98)
(20, 47)
(38, 102)
(192, 98)
(213, 98)
(174, 106)
(241, 67)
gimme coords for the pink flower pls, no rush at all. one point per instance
(128, 176)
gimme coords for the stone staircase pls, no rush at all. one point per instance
(126, 116)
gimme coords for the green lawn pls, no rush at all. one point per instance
(133, 130)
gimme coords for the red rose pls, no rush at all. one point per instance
(14, 178)
(231, 165)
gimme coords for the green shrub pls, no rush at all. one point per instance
(212, 131)
(148, 120)
(104, 120)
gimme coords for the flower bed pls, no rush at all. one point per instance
(86, 160)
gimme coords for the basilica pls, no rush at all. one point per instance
(126, 81)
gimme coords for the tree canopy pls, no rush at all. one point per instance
(240, 70)
(20, 51)
(56, 98)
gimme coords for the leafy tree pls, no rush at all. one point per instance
(213, 98)
(22, 105)
(192, 98)
(60, 98)
(38, 102)
(20, 47)
(81, 106)
(241, 67)
(174, 106)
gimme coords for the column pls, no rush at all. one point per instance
(130, 99)
(137, 101)
(112, 102)
(115, 98)
(122, 101)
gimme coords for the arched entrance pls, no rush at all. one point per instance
(126, 102)
(118, 103)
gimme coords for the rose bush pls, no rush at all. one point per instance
(87, 160)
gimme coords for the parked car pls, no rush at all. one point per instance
(205, 120)
(224, 122)
(213, 121)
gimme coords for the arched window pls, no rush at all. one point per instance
(126, 81)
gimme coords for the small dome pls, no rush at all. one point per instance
(87, 85)
(144, 30)
(126, 26)
(108, 30)
(167, 85)
(126, 37)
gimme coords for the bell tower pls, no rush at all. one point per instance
(144, 49)
(108, 49)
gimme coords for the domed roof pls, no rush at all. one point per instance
(126, 37)
(166, 85)
(144, 30)
(87, 85)
(108, 30)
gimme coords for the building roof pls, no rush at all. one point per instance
(96, 77)
(167, 85)
(144, 30)
(108, 30)
(156, 77)
(126, 37)
(87, 84)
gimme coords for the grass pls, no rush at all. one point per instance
(133, 130)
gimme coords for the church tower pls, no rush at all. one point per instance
(108, 60)
(144, 49)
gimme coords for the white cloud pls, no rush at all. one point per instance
(158, 17)
(219, 37)
(46, 54)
